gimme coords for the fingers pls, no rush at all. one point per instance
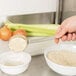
(59, 29)
(64, 38)
(61, 33)
(74, 36)
(68, 37)
(56, 40)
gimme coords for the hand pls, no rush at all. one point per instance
(67, 30)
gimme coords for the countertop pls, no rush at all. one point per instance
(38, 67)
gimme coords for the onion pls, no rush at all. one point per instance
(5, 33)
(20, 32)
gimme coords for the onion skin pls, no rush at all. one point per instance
(5, 33)
(20, 32)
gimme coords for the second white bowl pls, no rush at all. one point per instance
(14, 63)
(64, 70)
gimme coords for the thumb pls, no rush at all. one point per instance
(61, 33)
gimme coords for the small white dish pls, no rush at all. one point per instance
(14, 63)
(63, 70)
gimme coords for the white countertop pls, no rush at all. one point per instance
(35, 45)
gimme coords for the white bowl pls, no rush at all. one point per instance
(14, 63)
(63, 70)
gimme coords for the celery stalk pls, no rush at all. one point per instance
(35, 29)
(39, 34)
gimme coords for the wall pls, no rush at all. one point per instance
(69, 8)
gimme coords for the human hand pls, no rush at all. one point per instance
(67, 30)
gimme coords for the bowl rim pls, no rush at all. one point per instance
(2, 65)
(46, 58)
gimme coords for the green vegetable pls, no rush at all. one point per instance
(39, 34)
(35, 29)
